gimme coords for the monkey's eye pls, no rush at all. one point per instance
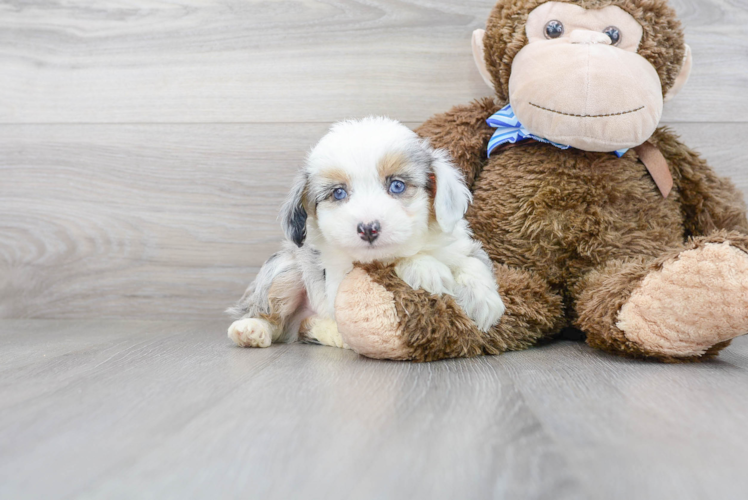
(397, 187)
(339, 194)
(554, 29)
(614, 34)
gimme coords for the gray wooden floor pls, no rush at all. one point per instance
(126, 409)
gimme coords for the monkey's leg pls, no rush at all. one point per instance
(380, 316)
(685, 305)
(533, 311)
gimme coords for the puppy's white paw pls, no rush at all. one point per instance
(251, 332)
(478, 295)
(484, 307)
(424, 271)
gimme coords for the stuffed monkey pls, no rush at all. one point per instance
(596, 219)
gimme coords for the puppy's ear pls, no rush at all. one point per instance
(451, 197)
(293, 213)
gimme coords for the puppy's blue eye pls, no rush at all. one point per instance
(397, 187)
(339, 194)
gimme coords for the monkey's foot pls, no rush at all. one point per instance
(380, 316)
(690, 304)
(367, 319)
(251, 332)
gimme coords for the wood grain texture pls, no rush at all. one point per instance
(199, 61)
(140, 220)
(123, 409)
(157, 221)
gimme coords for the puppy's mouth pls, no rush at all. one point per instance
(606, 115)
(375, 245)
(376, 250)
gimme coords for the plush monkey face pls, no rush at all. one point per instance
(579, 78)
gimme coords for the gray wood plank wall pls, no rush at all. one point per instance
(145, 145)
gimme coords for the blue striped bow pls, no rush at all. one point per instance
(509, 129)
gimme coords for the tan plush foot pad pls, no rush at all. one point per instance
(380, 316)
(367, 318)
(691, 304)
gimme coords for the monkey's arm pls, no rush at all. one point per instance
(709, 202)
(463, 132)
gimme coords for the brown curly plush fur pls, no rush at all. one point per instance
(571, 217)
(435, 327)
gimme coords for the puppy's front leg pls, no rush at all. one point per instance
(477, 293)
(426, 272)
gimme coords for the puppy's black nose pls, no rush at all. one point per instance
(369, 232)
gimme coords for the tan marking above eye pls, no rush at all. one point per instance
(391, 164)
(334, 175)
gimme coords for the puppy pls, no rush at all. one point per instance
(371, 190)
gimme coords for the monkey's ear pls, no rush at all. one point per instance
(479, 57)
(452, 196)
(293, 213)
(682, 77)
